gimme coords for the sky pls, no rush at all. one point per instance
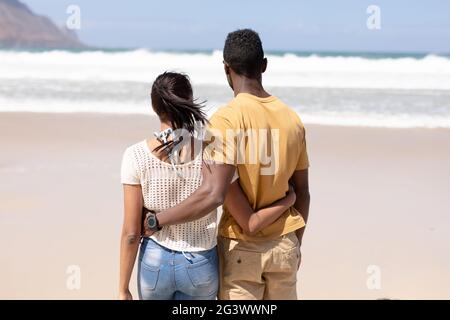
(297, 25)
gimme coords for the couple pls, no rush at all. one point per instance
(254, 253)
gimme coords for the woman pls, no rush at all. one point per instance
(179, 261)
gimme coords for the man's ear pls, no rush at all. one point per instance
(264, 65)
(227, 70)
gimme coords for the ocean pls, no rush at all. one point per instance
(333, 88)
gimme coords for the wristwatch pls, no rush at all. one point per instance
(152, 222)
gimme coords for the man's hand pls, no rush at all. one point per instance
(146, 232)
(301, 186)
(291, 196)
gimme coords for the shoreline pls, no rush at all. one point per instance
(150, 115)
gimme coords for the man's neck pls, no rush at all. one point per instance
(250, 86)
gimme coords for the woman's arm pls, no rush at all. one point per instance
(250, 221)
(131, 235)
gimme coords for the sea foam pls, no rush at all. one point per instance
(429, 72)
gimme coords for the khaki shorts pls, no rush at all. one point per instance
(265, 270)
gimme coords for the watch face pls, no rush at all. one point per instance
(151, 221)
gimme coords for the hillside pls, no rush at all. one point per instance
(21, 28)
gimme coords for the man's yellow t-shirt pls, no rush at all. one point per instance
(265, 140)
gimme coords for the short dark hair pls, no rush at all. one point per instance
(244, 53)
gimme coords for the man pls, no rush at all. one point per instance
(264, 265)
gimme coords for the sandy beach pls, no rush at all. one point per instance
(380, 197)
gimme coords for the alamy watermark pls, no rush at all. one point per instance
(373, 281)
(73, 21)
(73, 281)
(234, 146)
(374, 20)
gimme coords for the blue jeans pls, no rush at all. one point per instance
(164, 274)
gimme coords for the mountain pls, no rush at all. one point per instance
(21, 28)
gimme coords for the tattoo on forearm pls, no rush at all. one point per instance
(132, 239)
